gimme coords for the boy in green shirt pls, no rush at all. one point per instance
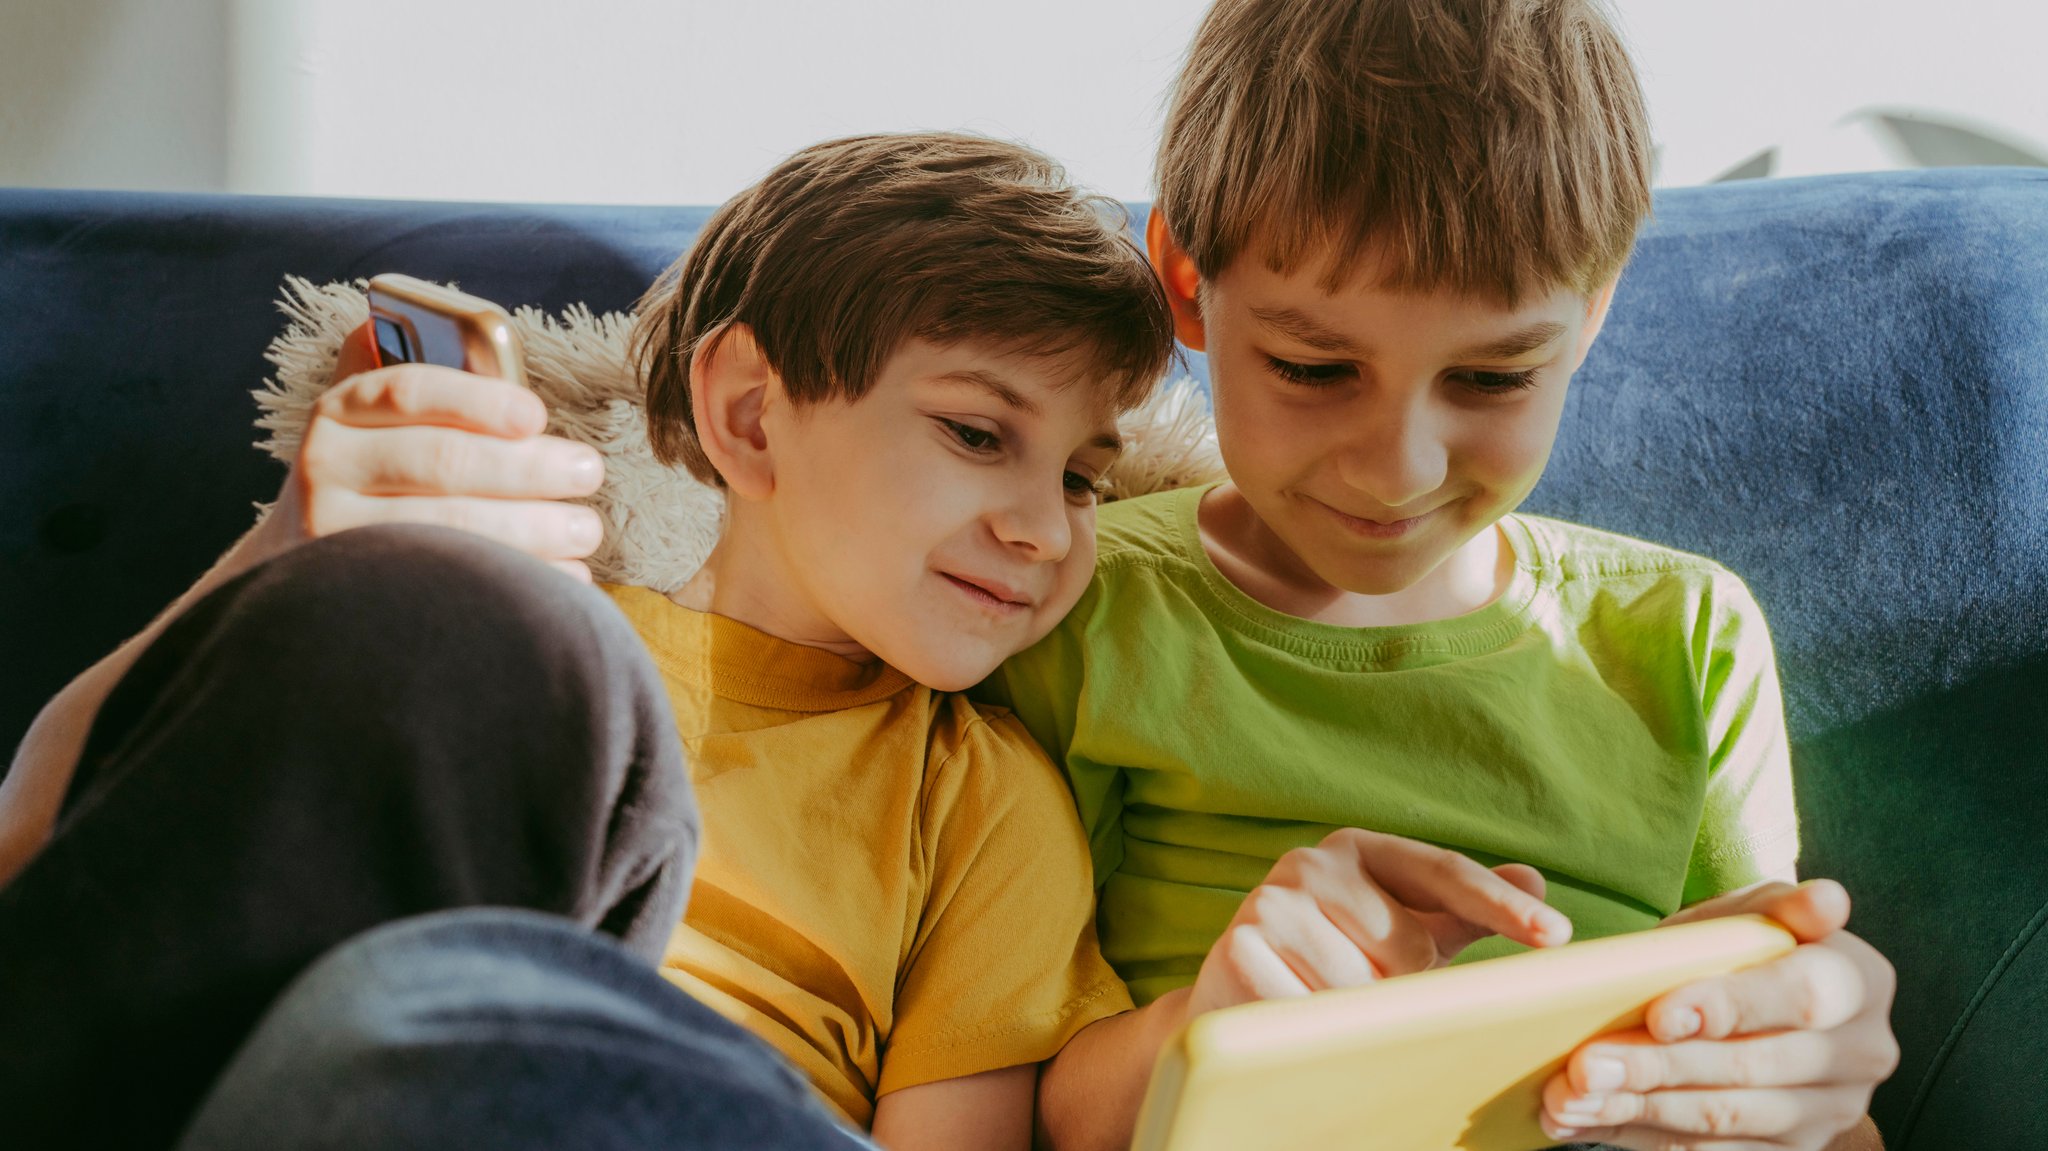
(1395, 227)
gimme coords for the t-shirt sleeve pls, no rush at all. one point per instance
(1043, 685)
(1004, 967)
(1749, 830)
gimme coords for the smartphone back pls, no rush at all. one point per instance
(416, 322)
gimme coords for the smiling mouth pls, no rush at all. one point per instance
(1376, 529)
(991, 595)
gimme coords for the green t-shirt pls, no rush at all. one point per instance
(1614, 719)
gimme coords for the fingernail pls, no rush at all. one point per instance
(1604, 1074)
(1556, 1132)
(589, 530)
(1684, 1025)
(587, 468)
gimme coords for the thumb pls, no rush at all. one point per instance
(358, 354)
(1812, 911)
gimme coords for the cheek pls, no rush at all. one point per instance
(1074, 571)
(843, 510)
(1257, 435)
(1509, 453)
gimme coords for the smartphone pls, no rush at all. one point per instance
(415, 322)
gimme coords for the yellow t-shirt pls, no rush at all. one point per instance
(893, 888)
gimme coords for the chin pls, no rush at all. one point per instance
(943, 672)
(950, 677)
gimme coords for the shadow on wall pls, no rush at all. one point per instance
(1885, 139)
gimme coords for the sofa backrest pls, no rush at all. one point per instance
(1839, 388)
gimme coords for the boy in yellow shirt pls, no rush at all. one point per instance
(910, 403)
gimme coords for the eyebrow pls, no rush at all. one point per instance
(994, 385)
(1306, 329)
(1519, 342)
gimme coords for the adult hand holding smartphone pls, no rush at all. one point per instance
(428, 422)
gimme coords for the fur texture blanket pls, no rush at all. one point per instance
(660, 523)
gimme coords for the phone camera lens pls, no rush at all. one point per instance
(391, 345)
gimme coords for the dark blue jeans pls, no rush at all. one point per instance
(380, 725)
(502, 1029)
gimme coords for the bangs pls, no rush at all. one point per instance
(1481, 148)
(853, 247)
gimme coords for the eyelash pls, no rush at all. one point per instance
(983, 442)
(1308, 375)
(1327, 375)
(980, 441)
(1498, 383)
(1077, 484)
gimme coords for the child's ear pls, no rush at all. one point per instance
(731, 384)
(1183, 283)
(1596, 318)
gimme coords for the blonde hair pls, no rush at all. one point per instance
(1481, 146)
(852, 247)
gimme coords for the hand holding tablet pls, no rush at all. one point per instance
(1453, 1059)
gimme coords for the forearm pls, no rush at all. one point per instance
(33, 791)
(1088, 1096)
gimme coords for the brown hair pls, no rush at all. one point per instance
(1480, 146)
(851, 247)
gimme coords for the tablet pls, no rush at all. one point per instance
(1453, 1059)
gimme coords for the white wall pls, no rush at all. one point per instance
(1726, 78)
(655, 100)
(685, 101)
(114, 93)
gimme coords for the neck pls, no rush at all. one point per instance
(746, 578)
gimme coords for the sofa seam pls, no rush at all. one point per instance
(1948, 1045)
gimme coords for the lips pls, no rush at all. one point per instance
(1377, 527)
(993, 592)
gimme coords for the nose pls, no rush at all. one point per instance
(1396, 453)
(1035, 523)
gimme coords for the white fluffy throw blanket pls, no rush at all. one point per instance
(660, 523)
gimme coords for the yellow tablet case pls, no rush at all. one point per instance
(1448, 1060)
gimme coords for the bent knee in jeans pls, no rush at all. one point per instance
(490, 1027)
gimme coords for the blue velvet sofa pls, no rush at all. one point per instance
(1837, 386)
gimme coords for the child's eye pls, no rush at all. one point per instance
(1308, 375)
(1081, 489)
(1500, 382)
(981, 441)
